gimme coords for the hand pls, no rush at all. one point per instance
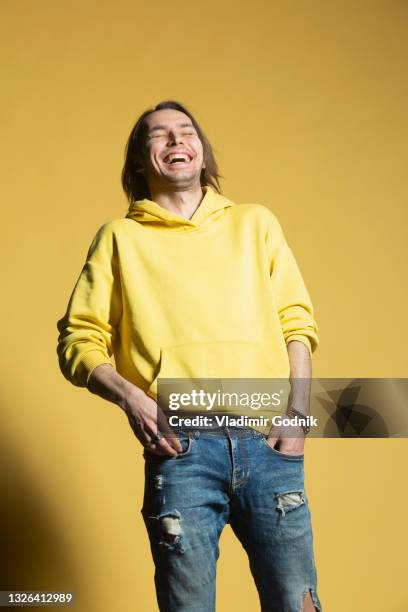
(146, 418)
(280, 436)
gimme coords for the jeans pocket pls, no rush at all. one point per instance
(279, 454)
(186, 442)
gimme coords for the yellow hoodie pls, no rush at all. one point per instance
(218, 295)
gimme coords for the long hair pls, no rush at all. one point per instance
(133, 180)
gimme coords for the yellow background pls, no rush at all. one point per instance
(306, 106)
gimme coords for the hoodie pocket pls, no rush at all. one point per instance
(217, 360)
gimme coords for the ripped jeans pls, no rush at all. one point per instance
(229, 476)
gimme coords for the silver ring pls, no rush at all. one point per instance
(156, 438)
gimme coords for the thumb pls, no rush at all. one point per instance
(272, 441)
(273, 436)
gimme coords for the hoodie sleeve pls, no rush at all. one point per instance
(87, 329)
(292, 299)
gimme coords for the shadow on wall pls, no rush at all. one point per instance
(33, 556)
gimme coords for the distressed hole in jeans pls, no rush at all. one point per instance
(290, 500)
(308, 602)
(171, 531)
(158, 481)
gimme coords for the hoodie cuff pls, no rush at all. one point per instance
(90, 361)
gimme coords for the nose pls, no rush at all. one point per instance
(174, 138)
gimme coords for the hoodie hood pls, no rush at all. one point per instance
(212, 206)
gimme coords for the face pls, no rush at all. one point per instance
(173, 155)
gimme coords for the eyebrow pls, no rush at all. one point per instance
(163, 127)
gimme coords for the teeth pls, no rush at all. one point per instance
(172, 156)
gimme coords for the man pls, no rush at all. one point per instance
(189, 285)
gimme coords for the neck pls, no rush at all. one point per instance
(182, 202)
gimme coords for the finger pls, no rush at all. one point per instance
(164, 427)
(166, 446)
(158, 423)
(174, 442)
(140, 433)
(162, 448)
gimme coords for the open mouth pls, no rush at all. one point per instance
(177, 159)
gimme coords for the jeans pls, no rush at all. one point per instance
(228, 476)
